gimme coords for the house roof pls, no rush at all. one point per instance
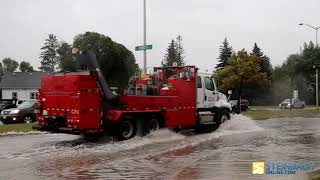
(22, 80)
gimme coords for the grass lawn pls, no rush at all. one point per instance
(15, 127)
(267, 112)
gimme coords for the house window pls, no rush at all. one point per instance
(14, 95)
(33, 95)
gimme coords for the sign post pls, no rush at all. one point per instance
(144, 37)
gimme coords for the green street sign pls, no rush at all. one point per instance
(141, 48)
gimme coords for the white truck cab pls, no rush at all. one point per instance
(208, 95)
(212, 106)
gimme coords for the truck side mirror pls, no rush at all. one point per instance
(229, 92)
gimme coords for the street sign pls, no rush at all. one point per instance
(141, 48)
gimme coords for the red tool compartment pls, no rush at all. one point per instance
(74, 97)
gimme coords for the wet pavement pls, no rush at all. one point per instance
(224, 154)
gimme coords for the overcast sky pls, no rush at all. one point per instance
(203, 24)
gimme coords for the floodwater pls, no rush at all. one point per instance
(227, 153)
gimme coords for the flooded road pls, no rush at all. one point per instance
(225, 154)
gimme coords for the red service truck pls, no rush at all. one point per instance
(172, 97)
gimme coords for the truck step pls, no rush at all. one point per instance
(206, 118)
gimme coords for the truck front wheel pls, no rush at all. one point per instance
(220, 117)
(127, 129)
(225, 116)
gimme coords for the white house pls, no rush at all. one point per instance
(21, 85)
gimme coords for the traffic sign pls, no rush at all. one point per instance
(141, 48)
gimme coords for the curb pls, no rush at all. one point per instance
(294, 116)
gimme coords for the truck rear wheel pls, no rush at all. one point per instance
(127, 129)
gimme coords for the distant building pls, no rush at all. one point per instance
(21, 85)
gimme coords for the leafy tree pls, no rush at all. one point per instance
(25, 67)
(174, 53)
(225, 53)
(297, 73)
(261, 95)
(264, 60)
(116, 61)
(242, 71)
(48, 55)
(65, 60)
(9, 65)
(1, 71)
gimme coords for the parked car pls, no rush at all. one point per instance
(235, 105)
(4, 105)
(10, 103)
(22, 113)
(295, 104)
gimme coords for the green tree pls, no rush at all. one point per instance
(264, 60)
(116, 61)
(25, 67)
(261, 95)
(1, 71)
(180, 50)
(65, 60)
(225, 53)
(9, 65)
(296, 73)
(175, 53)
(242, 71)
(48, 55)
(171, 54)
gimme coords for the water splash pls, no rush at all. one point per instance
(240, 123)
(64, 145)
(17, 133)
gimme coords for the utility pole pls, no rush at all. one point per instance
(144, 37)
(317, 89)
(145, 46)
(316, 65)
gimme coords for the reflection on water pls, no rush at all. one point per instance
(225, 154)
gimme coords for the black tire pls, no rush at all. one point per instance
(28, 119)
(127, 128)
(151, 125)
(220, 117)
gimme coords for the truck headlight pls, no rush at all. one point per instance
(16, 111)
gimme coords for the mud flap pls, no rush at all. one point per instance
(140, 128)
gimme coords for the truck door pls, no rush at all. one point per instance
(210, 94)
(200, 93)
